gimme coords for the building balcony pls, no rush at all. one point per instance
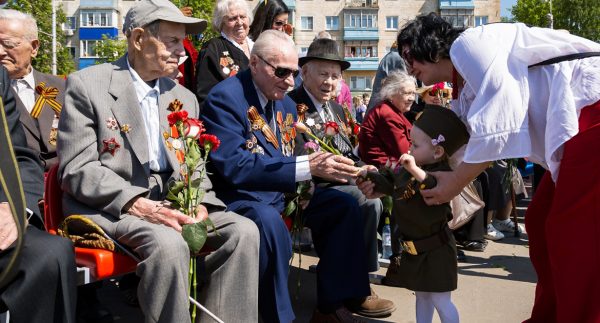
(361, 4)
(361, 33)
(363, 63)
(457, 4)
(95, 33)
(291, 4)
(98, 4)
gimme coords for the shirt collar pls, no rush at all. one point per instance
(248, 41)
(28, 79)
(261, 97)
(315, 102)
(142, 89)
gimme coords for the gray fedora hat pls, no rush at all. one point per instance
(324, 49)
(148, 11)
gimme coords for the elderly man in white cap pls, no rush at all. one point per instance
(122, 186)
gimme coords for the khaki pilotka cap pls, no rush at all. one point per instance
(438, 121)
(148, 11)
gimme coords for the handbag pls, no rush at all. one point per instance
(464, 206)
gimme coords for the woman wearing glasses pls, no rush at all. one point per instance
(228, 54)
(527, 92)
(270, 14)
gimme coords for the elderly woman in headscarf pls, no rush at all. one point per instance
(385, 131)
(228, 54)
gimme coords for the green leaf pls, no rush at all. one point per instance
(290, 208)
(195, 235)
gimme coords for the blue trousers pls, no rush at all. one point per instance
(337, 227)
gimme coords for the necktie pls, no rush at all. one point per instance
(269, 115)
(339, 142)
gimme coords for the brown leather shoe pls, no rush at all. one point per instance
(392, 275)
(341, 315)
(372, 306)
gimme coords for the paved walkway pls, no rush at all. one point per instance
(496, 285)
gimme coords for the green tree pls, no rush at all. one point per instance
(201, 9)
(579, 17)
(41, 10)
(110, 49)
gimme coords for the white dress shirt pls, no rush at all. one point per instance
(148, 98)
(319, 106)
(302, 163)
(515, 111)
(25, 89)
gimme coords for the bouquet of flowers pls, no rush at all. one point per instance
(192, 146)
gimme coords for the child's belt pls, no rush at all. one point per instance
(437, 240)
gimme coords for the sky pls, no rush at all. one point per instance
(505, 6)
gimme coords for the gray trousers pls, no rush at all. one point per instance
(371, 210)
(228, 276)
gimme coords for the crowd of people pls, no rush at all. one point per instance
(449, 107)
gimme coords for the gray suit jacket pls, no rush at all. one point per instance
(93, 179)
(38, 131)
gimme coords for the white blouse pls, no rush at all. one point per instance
(514, 111)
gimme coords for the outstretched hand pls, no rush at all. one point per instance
(332, 167)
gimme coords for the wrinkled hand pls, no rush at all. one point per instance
(8, 227)
(201, 213)
(448, 186)
(366, 186)
(332, 167)
(161, 213)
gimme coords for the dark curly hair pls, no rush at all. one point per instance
(265, 15)
(429, 38)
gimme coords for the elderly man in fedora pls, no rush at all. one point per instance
(122, 185)
(321, 71)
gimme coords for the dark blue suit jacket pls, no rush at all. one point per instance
(237, 173)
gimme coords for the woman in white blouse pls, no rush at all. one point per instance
(549, 113)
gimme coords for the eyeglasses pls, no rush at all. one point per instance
(279, 23)
(406, 55)
(442, 93)
(281, 72)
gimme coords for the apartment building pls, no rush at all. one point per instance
(365, 29)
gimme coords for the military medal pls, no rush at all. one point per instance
(53, 131)
(288, 133)
(257, 122)
(110, 145)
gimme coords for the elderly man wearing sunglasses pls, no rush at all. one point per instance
(254, 167)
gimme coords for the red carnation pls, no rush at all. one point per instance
(177, 116)
(209, 142)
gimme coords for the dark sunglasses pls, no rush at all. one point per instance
(443, 94)
(281, 72)
(407, 57)
(279, 23)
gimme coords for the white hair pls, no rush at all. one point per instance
(270, 42)
(29, 23)
(394, 83)
(222, 9)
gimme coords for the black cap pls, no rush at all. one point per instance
(324, 49)
(444, 126)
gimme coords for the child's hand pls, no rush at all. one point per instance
(408, 162)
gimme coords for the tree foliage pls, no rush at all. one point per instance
(41, 10)
(110, 49)
(201, 9)
(579, 17)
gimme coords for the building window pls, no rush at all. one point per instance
(96, 19)
(72, 51)
(360, 20)
(88, 48)
(360, 49)
(391, 22)
(360, 83)
(458, 17)
(332, 23)
(306, 23)
(481, 20)
(70, 23)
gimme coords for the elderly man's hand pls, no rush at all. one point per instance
(8, 227)
(332, 167)
(366, 186)
(161, 213)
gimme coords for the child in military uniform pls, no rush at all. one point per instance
(428, 265)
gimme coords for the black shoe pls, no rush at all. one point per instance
(89, 308)
(460, 256)
(474, 245)
(128, 285)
